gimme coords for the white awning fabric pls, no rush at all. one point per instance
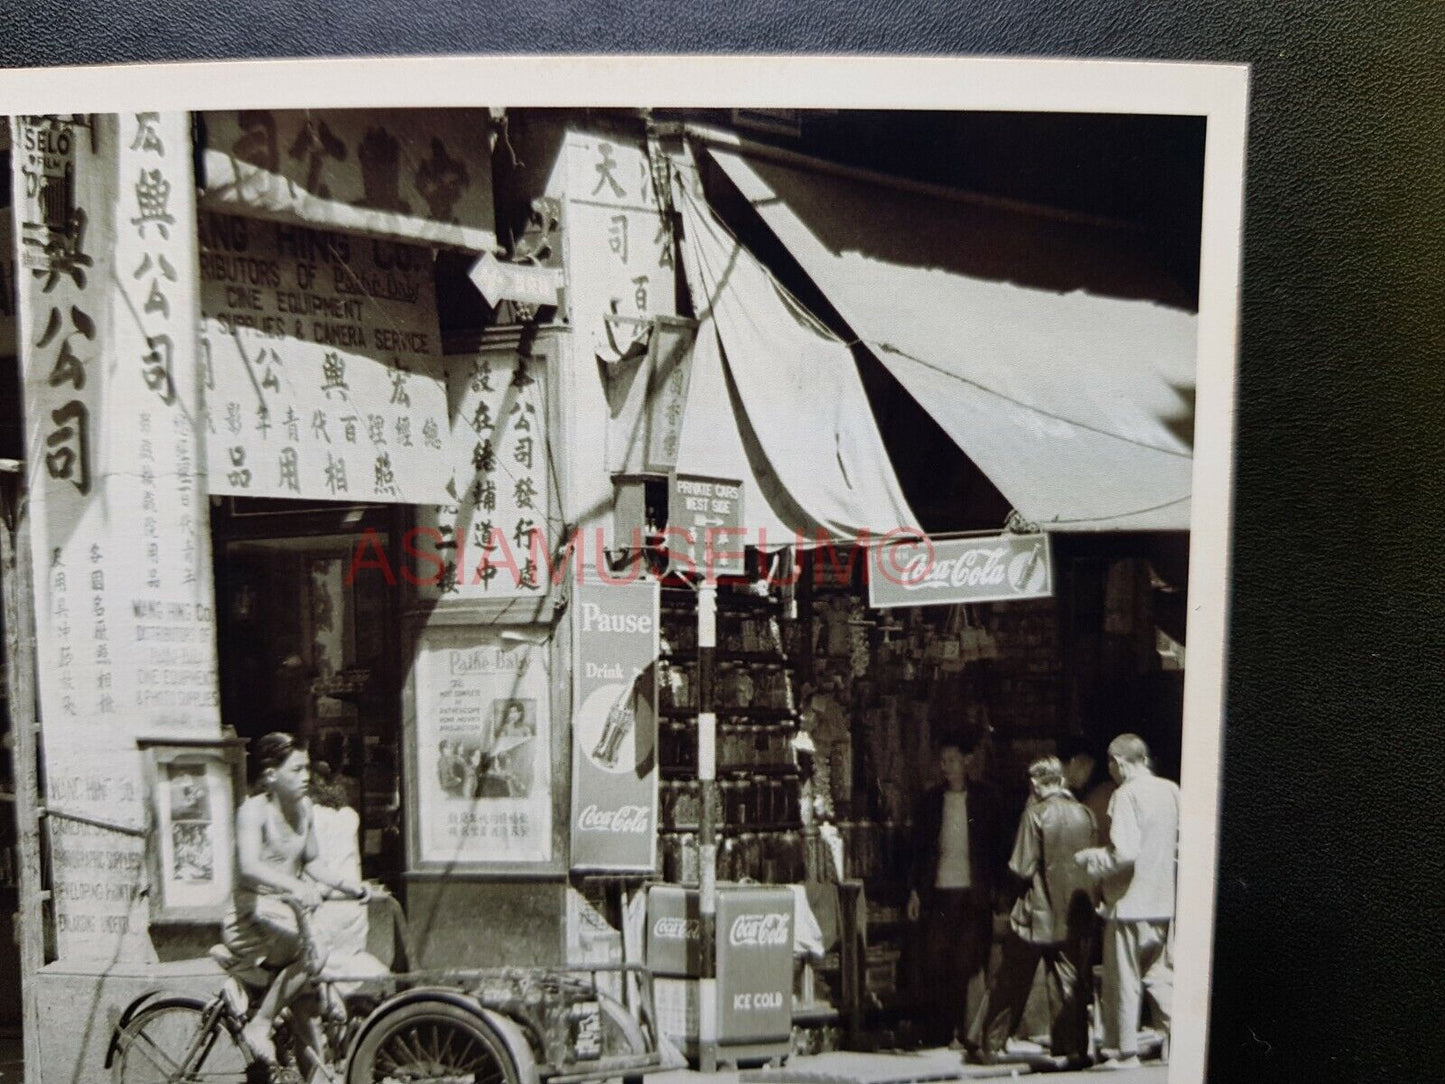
(776, 401)
(1079, 408)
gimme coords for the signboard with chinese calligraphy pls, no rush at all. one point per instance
(670, 356)
(922, 572)
(125, 634)
(614, 727)
(647, 387)
(620, 264)
(482, 752)
(323, 364)
(621, 245)
(493, 541)
(417, 175)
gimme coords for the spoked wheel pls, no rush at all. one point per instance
(169, 1042)
(436, 1042)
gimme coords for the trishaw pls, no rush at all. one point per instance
(506, 1025)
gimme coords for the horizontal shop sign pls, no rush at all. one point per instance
(423, 176)
(925, 572)
(527, 284)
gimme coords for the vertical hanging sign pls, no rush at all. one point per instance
(614, 727)
(104, 212)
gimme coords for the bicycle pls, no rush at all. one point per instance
(494, 1026)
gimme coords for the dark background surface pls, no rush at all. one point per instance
(1329, 948)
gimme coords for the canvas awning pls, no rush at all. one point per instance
(776, 401)
(1078, 407)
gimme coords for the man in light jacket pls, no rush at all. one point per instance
(1137, 870)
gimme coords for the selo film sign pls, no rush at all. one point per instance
(614, 727)
(998, 568)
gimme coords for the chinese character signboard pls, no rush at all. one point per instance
(492, 540)
(125, 636)
(922, 572)
(323, 364)
(418, 175)
(620, 274)
(622, 247)
(614, 727)
(482, 752)
(647, 395)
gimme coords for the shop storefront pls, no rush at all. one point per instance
(417, 491)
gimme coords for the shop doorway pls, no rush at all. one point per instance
(307, 647)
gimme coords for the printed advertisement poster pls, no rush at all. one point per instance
(194, 833)
(614, 727)
(323, 368)
(484, 763)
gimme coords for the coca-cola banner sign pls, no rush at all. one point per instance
(754, 964)
(614, 727)
(925, 572)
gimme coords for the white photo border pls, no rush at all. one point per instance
(1215, 91)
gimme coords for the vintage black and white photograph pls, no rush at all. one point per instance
(705, 586)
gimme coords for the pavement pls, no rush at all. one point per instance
(832, 1068)
(916, 1067)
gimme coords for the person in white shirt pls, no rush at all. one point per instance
(1137, 870)
(953, 887)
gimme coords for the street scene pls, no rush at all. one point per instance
(563, 594)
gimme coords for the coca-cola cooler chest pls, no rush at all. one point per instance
(754, 1011)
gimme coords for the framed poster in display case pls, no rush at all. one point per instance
(192, 787)
(481, 752)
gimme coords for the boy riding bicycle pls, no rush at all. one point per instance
(276, 855)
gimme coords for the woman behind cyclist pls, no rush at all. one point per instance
(276, 854)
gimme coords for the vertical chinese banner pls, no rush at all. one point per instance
(105, 216)
(614, 727)
(620, 275)
(494, 541)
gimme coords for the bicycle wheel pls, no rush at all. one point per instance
(181, 1041)
(432, 1041)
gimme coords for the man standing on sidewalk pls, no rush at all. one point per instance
(953, 881)
(1052, 920)
(1137, 868)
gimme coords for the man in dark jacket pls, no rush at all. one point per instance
(954, 879)
(1052, 921)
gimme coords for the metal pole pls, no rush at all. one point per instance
(708, 821)
(19, 600)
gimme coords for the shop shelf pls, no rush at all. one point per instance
(730, 713)
(765, 658)
(684, 774)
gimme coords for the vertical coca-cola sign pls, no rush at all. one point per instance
(614, 727)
